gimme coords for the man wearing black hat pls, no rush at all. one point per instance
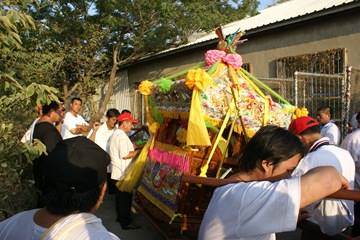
(75, 186)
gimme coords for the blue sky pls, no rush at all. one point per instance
(265, 3)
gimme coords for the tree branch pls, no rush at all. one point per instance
(110, 87)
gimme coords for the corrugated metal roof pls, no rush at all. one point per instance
(275, 14)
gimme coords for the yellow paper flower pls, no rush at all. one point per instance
(154, 127)
(181, 135)
(300, 112)
(146, 87)
(198, 78)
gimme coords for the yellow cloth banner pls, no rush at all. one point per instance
(134, 171)
(197, 133)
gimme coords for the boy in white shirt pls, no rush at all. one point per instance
(74, 124)
(257, 209)
(329, 128)
(101, 136)
(332, 216)
(75, 188)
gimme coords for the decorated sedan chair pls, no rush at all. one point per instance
(199, 120)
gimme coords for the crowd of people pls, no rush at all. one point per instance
(81, 163)
(284, 179)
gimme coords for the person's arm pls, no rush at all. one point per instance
(131, 154)
(93, 131)
(52, 138)
(319, 183)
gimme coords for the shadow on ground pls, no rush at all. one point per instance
(107, 213)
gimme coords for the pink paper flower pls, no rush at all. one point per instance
(234, 60)
(212, 56)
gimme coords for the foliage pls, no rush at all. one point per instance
(16, 103)
(142, 26)
(11, 17)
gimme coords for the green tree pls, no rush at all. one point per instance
(140, 27)
(16, 101)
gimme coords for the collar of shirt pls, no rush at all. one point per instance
(318, 143)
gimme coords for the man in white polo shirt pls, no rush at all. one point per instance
(101, 136)
(256, 208)
(332, 216)
(329, 128)
(74, 124)
(121, 153)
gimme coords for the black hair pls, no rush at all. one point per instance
(311, 130)
(358, 117)
(52, 106)
(112, 112)
(271, 143)
(125, 111)
(64, 203)
(326, 110)
(76, 99)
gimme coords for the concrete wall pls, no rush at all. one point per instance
(337, 31)
(340, 30)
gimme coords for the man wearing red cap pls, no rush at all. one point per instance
(121, 152)
(332, 216)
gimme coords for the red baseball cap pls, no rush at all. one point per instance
(300, 124)
(127, 117)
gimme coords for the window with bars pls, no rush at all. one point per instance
(326, 62)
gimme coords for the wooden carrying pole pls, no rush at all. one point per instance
(216, 182)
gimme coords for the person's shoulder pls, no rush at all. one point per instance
(334, 155)
(355, 135)
(333, 149)
(120, 133)
(240, 188)
(333, 125)
(80, 117)
(21, 217)
(44, 125)
(96, 229)
(103, 235)
(68, 116)
(102, 128)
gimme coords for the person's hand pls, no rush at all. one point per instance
(96, 126)
(135, 152)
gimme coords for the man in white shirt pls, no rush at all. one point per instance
(354, 122)
(74, 124)
(332, 216)
(256, 208)
(101, 136)
(121, 153)
(329, 128)
(352, 144)
(75, 188)
(28, 136)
